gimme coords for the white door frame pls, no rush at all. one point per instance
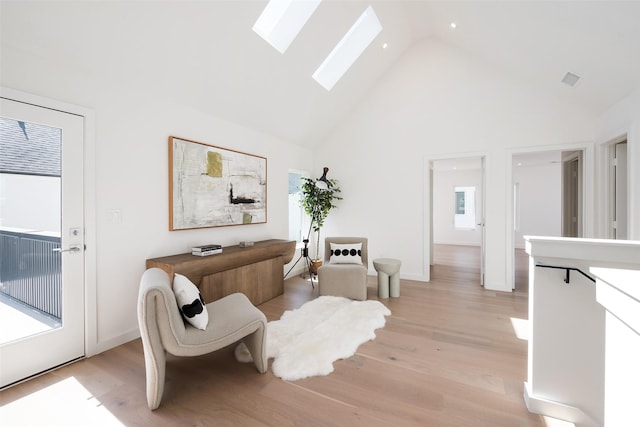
(427, 216)
(603, 184)
(608, 187)
(90, 309)
(587, 199)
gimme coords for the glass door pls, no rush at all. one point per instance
(41, 239)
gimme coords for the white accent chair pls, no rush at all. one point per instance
(162, 329)
(344, 280)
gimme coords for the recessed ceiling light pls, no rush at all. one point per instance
(385, 45)
(453, 25)
(354, 42)
(281, 21)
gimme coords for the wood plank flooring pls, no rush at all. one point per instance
(448, 356)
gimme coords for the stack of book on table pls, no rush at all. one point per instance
(206, 250)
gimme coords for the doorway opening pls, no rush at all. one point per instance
(548, 199)
(457, 215)
(572, 217)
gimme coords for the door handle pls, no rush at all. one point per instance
(73, 248)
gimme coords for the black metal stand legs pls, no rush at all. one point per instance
(304, 253)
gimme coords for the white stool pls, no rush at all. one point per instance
(388, 277)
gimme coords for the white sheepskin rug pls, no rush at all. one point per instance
(305, 342)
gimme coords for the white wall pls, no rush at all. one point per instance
(540, 207)
(444, 183)
(437, 102)
(131, 176)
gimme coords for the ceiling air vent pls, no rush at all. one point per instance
(570, 79)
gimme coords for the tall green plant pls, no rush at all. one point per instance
(317, 203)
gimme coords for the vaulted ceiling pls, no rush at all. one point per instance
(204, 54)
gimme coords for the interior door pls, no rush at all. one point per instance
(29, 351)
(571, 195)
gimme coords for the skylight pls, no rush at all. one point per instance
(282, 20)
(349, 49)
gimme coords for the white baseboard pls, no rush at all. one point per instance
(102, 346)
(414, 277)
(297, 271)
(457, 243)
(543, 406)
(99, 347)
(371, 272)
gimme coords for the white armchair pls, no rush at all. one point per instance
(162, 328)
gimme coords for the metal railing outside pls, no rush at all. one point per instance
(30, 270)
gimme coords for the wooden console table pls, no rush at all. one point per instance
(256, 271)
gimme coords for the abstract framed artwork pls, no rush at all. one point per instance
(211, 186)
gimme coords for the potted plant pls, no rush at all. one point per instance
(318, 198)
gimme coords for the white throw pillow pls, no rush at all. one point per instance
(190, 302)
(348, 253)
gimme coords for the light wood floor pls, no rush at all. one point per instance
(448, 356)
